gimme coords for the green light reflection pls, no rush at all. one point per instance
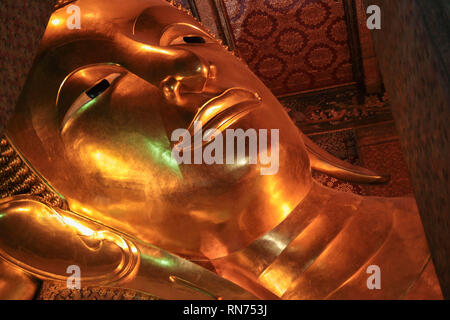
(161, 261)
(162, 154)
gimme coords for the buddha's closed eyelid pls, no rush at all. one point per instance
(88, 96)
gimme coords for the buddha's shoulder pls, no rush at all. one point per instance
(390, 205)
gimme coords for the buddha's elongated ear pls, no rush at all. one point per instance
(324, 162)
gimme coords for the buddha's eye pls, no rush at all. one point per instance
(184, 34)
(85, 99)
(98, 89)
(194, 39)
(189, 39)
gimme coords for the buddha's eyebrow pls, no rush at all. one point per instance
(146, 20)
(159, 18)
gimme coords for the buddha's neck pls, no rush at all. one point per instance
(249, 267)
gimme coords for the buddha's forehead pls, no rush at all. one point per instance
(107, 18)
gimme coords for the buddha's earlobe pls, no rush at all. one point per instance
(324, 162)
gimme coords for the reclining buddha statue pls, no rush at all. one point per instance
(89, 178)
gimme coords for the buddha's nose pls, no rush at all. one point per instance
(173, 70)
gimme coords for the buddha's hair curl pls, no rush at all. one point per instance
(62, 3)
(16, 178)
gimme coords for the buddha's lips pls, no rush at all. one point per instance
(223, 110)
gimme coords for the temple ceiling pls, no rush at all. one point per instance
(316, 56)
(292, 45)
(297, 46)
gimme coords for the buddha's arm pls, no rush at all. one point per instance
(44, 242)
(15, 284)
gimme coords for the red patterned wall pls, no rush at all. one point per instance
(292, 45)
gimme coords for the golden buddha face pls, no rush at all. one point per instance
(100, 105)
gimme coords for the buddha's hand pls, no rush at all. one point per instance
(49, 243)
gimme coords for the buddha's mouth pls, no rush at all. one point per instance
(222, 111)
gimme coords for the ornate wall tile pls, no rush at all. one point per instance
(307, 37)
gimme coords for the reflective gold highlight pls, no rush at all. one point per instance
(129, 216)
